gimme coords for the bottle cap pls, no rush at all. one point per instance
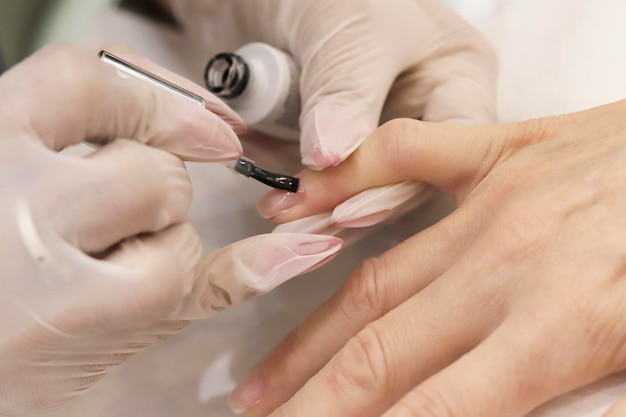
(226, 75)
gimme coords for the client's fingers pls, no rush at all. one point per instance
(370, 292)
(394, 353)
(447, 157)
(498, 378)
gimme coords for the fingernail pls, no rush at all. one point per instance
(278, 202)
(378, 204)
(223, 143)
(331, 132)
(248, 393)
(217, 106)
(316, 224)
(255, 266)
(273, 259)
(208, 139)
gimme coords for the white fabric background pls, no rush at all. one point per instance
(556, 56)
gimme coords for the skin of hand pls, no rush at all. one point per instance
(513, 299)
(97, 261)
(361, 62)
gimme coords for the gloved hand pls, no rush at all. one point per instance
(362, 62)
(96, 260)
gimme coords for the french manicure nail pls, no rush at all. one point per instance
(378, 204)
(332, 131)
(223, 143)
(248, 393)
(254, 266)
(316, 224)
(207, 139)
(278, 202)
(289, 255)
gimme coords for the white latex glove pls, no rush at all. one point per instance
(359, 59)
(362, 62)
(96, 260)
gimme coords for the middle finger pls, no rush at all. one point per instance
(379, 286)
(406, 346)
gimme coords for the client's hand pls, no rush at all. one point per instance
(513, 299)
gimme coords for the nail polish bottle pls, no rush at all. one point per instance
(260, 83)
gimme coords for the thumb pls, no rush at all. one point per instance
(339, 105)
(449, 157)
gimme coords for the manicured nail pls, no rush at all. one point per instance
(248, 393)
(225, 113)
(254, 266)
(207, 139)
(378, 204)
(278, 202)
(221, 143)
(316, 224)
(331, 132)
(286, 255)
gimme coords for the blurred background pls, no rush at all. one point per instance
(26, 25)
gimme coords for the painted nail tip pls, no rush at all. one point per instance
(278, 202)
(304, 262)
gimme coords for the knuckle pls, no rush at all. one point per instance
(520, 231)
(522, 134)
(400, 144)
(361, 367)
(367, 291)
(165, 188)
(152, 101)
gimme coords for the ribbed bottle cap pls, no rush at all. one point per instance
(226, 75)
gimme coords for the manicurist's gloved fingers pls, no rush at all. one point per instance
(338, 109)
(455, 82)
(89, 101)
(447, 157)
(457, 87)
(252, 267)
(140, 282)
(446, 70)
(211, 102)
(126, 188)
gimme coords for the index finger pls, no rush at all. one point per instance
(445, 156)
